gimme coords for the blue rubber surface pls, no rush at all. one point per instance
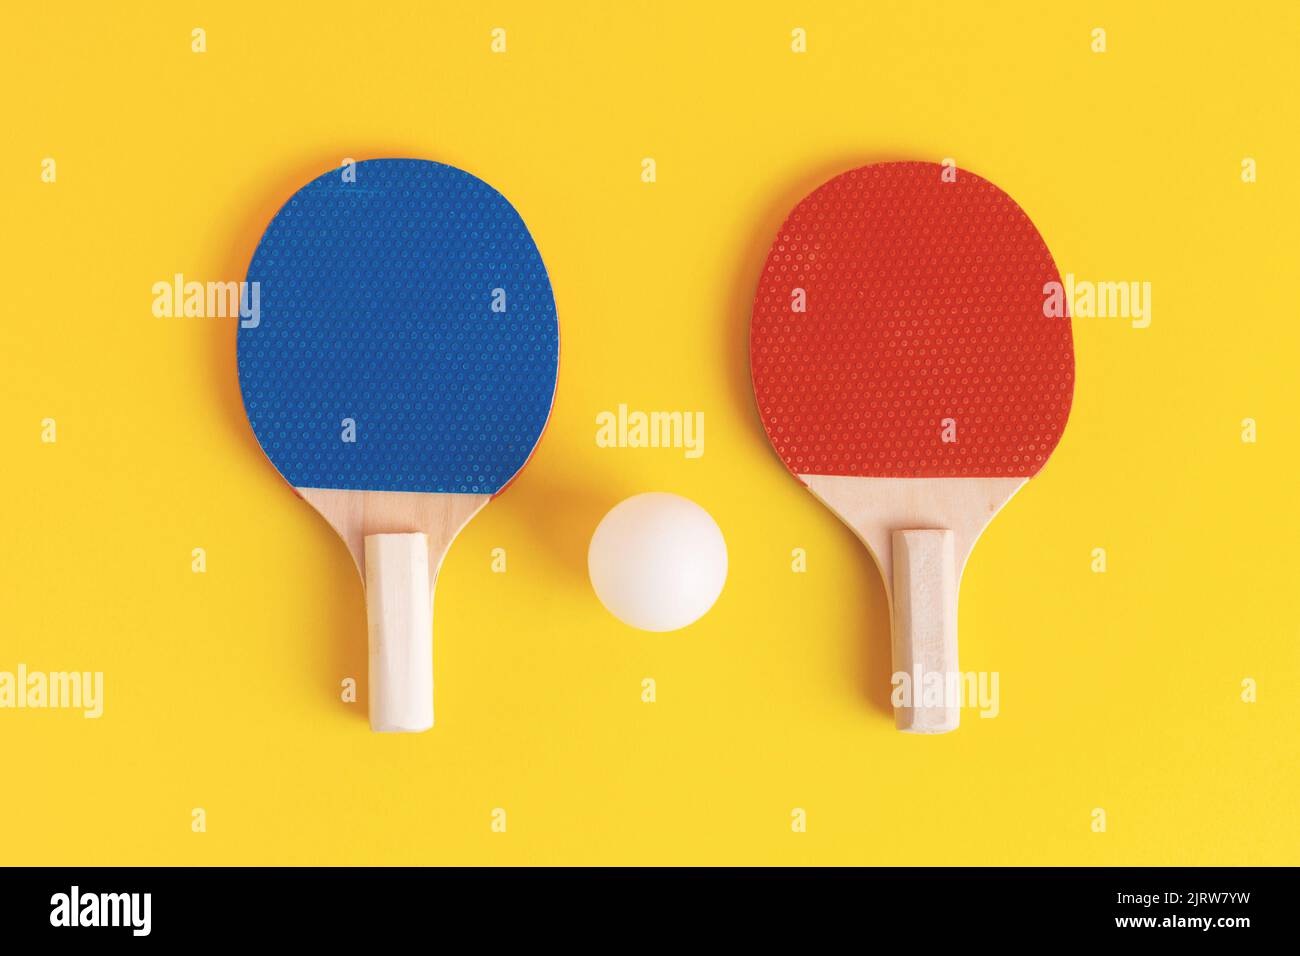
(376, 306)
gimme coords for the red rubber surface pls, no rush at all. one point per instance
(924, 303)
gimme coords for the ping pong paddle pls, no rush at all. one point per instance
(906, 373)
(399, 376)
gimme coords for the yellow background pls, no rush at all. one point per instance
(1119, 690)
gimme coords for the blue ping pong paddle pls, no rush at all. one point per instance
(399, 374)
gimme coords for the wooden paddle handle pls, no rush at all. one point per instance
(399, 609)
(925, 630)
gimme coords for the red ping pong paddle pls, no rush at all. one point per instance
(906, 373)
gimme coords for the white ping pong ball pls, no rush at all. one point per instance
(657, 561)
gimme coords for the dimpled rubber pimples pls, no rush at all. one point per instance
(414, 304)
(924, 320)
